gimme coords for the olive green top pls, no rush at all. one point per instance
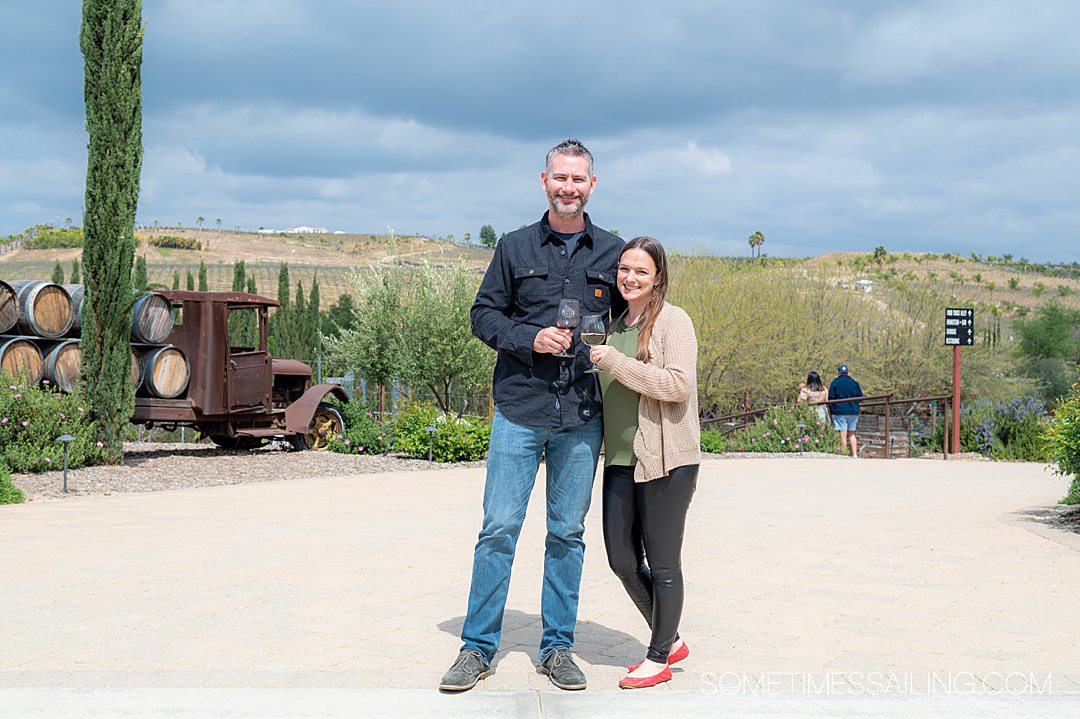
(620, 404)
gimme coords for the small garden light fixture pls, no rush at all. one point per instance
(431, 441)
(65, 439)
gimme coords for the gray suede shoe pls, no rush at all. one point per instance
(468, 669)
(564, 674)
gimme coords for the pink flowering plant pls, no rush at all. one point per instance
(32, 417)
(365, 430)
(777, 431)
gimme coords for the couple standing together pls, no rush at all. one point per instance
(550, 406)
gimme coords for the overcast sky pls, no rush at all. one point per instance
(933, 126)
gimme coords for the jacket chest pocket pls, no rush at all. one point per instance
(530, 284)
(599, 284)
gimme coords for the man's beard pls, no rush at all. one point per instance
(563, 210)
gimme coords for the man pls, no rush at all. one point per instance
(545, 405)
(845, 414)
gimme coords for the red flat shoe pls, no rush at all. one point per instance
(644, 682)
(674, 658)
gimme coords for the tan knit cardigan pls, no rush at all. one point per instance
(668, 433)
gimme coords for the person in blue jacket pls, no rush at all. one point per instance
(845, 415)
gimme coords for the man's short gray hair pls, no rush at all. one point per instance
(572, 147)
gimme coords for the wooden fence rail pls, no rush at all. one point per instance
(745, 418)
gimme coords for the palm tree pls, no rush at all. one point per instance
(199, 221)
(880, 253)
(755, 241)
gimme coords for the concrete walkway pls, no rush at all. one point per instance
(823, 587)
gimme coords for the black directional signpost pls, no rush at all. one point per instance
(959, 332)
(959, 326)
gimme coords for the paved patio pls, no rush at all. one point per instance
(830, 585)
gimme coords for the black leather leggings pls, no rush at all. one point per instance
(643, 534)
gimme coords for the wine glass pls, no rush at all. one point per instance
(593, 333)
(569, 315)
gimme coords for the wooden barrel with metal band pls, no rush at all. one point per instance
(9, 307)
(44, 308)
(77, 292)
(21, 359)
(62, 364)
(152, 319)
(165, 372)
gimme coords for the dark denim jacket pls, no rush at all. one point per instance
(519, 296)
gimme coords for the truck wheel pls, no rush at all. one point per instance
(226, 442)
(326, 424)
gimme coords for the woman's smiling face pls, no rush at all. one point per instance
(637, 275)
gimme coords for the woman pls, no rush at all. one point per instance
(652, 450)
(814, 391)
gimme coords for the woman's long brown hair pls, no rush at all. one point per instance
(655, 250)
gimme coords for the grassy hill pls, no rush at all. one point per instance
(333, 257)
(1012, 287)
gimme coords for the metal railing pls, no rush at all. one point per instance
(748, 417)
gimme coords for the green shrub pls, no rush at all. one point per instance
(175, 243)
(410, 435)
(1063, 442)
(58, 238)
(777, 430)
(31, 418)
(365, 431)
(1009, 430)
(456, 439)
(712, 441)
(9, 493)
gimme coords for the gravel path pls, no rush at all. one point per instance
(150, 467)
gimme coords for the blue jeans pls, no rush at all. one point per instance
(512, 465)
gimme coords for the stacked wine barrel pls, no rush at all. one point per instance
(41, 326)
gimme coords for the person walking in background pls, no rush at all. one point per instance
(813, 391)
(546, 404)
(651, 451)
(845, 415)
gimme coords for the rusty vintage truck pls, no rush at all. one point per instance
(239, 396)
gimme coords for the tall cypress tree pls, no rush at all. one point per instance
(176, 279)
(299, 319)
(203, 285)
(57, 274)
(252, 328)
(190, 281)
(283, 285)
(111, 39)
(280, 326)
(239, 276)
(312, 326)
(140, 281)
(75, 272)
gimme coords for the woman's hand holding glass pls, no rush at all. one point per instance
(598, 353)
(594, 334)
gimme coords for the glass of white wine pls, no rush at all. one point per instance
(593, 333)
